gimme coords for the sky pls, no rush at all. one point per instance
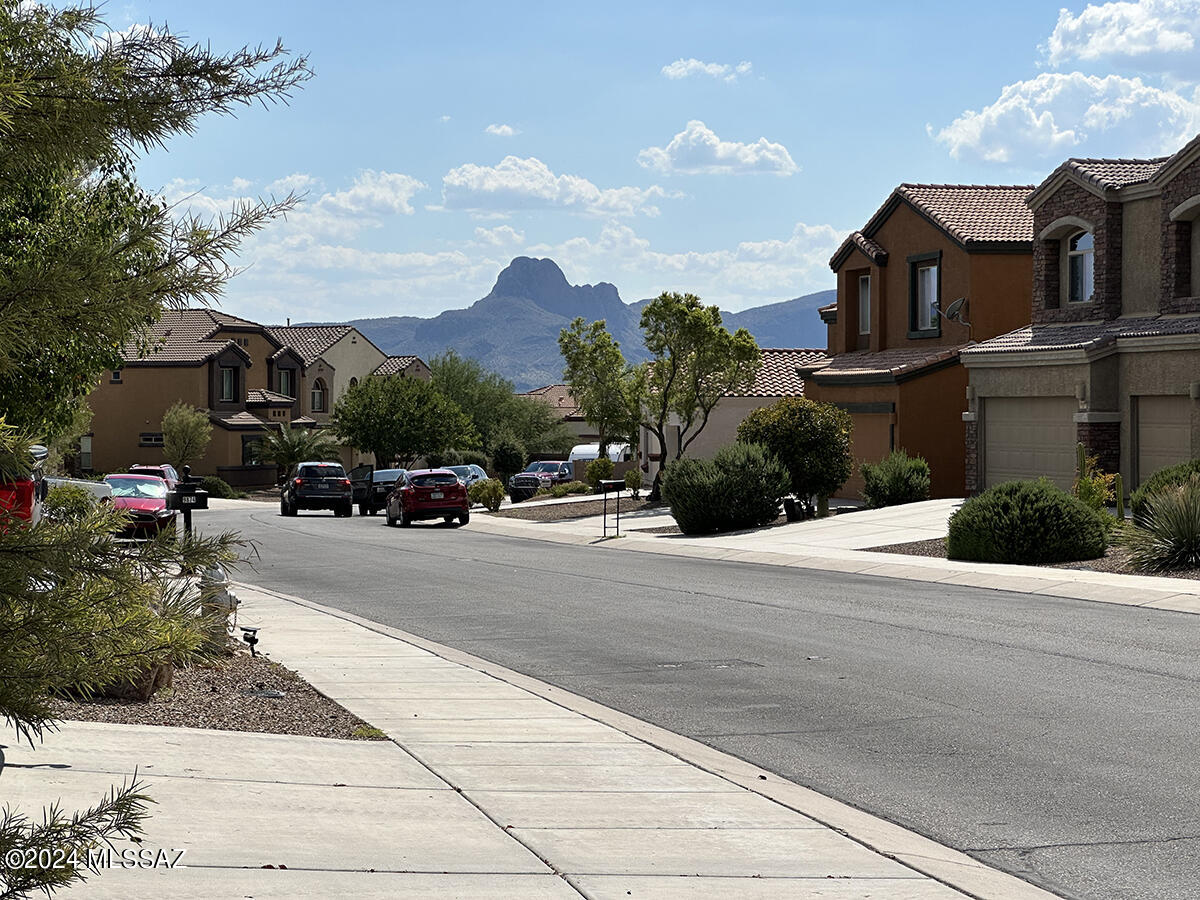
(717, 148)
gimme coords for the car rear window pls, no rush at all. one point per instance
(322, 472)
(434, 480)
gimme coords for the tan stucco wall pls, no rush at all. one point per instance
(1028, 381)
(1167, 373)
(259, 349)
(870, 439)
(1141, 255)
(351, 357)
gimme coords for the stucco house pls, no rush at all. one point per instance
(559, 398)
(249, 377)
(777, 377)
(893, 357)
(1112, 357)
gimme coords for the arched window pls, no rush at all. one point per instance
(353, 382)
(319, 392)
(1080, 258)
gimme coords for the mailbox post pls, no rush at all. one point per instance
(606, 485)
(186, 497)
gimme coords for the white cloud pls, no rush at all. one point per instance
(500, 236)
(686, 68)
(1050, 116)
(698, 151)
(375, 193)
(240, 185)
(443, 119)
(1142, 30)
(749, 274)
(297, 182)
(517, 183)
(501, 130)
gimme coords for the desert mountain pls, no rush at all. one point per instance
(514, 329)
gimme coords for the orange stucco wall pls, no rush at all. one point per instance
(929, 424)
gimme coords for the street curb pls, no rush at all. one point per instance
(924, 855)
(1167, 594)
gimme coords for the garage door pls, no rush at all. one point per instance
(1028, 437)
(1164, 433)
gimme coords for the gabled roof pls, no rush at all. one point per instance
(1177, 161)
(778, 376)
(1098, 175)
(183, 337)
(237, 421)
(895, 364)
(1084, 336)
(394, 365)
(258, 396)
(976, 216)
(310, 341)
(557, 397)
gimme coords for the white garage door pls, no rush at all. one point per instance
(1164, 433)
(1028, 437)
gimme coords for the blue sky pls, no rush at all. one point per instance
(722, 149)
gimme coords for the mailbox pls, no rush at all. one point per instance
(186, 496)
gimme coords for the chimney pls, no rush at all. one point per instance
(289, 321)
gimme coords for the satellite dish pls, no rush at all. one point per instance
(954, 310)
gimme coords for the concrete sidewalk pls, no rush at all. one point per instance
(835, 544)
(494, 785)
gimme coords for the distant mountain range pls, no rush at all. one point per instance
(514, 329)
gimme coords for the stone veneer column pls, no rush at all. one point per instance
(971, 427)
(1102, 440)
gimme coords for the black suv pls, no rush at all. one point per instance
(372, 486)
(316, 485)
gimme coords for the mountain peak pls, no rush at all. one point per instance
(543, 282)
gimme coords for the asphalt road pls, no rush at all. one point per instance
(1052, 738)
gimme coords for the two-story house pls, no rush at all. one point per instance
(893, 359)
(1112, 357)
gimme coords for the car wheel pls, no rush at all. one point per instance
(447, 519)
(346, 510)
(364, 510)
(371, 510)
(387, 514)
(405, 521)
(464, 519)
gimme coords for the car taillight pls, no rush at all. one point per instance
(298, 482)
(345, 482)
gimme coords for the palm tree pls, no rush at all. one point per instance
(288, 446)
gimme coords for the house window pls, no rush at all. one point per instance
(251, 445)
(924, 295)
(228, 384)
(116, 377)
(864, 304)
(1080, 259)
(287, 385)
(85, 452)
(1194, 247)
(353, 382)
(150, 439)
(318, 395)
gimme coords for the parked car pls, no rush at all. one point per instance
(538, 475)
(22, 499)
(588, 452)
(165, 471)
(101, 491)
(428, 494)
(375, 493)
(144, 498)
(469, 474)
(317, 485)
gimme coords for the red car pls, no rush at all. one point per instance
(144, 497)
(428, 494)
(165, 471)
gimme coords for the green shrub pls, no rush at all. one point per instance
(68, 503)
(488, 492)
(1172, 476)
(811, 439)
(1167, 536)
(508, 457)
(740, 487)
(1027, 522)
(218, 487)
(633, 481)
(899, 478)
(567, 489)
(1091, 485)
(599, 470)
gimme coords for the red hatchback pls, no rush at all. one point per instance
(428, 494)
(144, 498)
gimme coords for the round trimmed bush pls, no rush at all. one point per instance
(487, 492)
(1172, 476)
(217, 487)
(633, 481)
(600, 469)
(742, 486)
(899, 478)
(1026, 522)
(811, 439)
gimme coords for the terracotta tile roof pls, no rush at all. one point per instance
(557, 397)
(303, 420)
(897, 362)
(1085, 336)
(183, 337)
(778, 375)
(310, 341)
(1114, 173)
(971, 214)
(237, 420)
(259, 396)
(395, 364)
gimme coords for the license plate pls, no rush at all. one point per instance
(381, 489)
(436, 495)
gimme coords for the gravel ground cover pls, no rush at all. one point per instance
(1114, 560)
(557, 512)
(238, 693)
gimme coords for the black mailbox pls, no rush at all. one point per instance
(187, 496)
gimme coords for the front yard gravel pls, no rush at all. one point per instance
(221, 695)
(556, 512)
